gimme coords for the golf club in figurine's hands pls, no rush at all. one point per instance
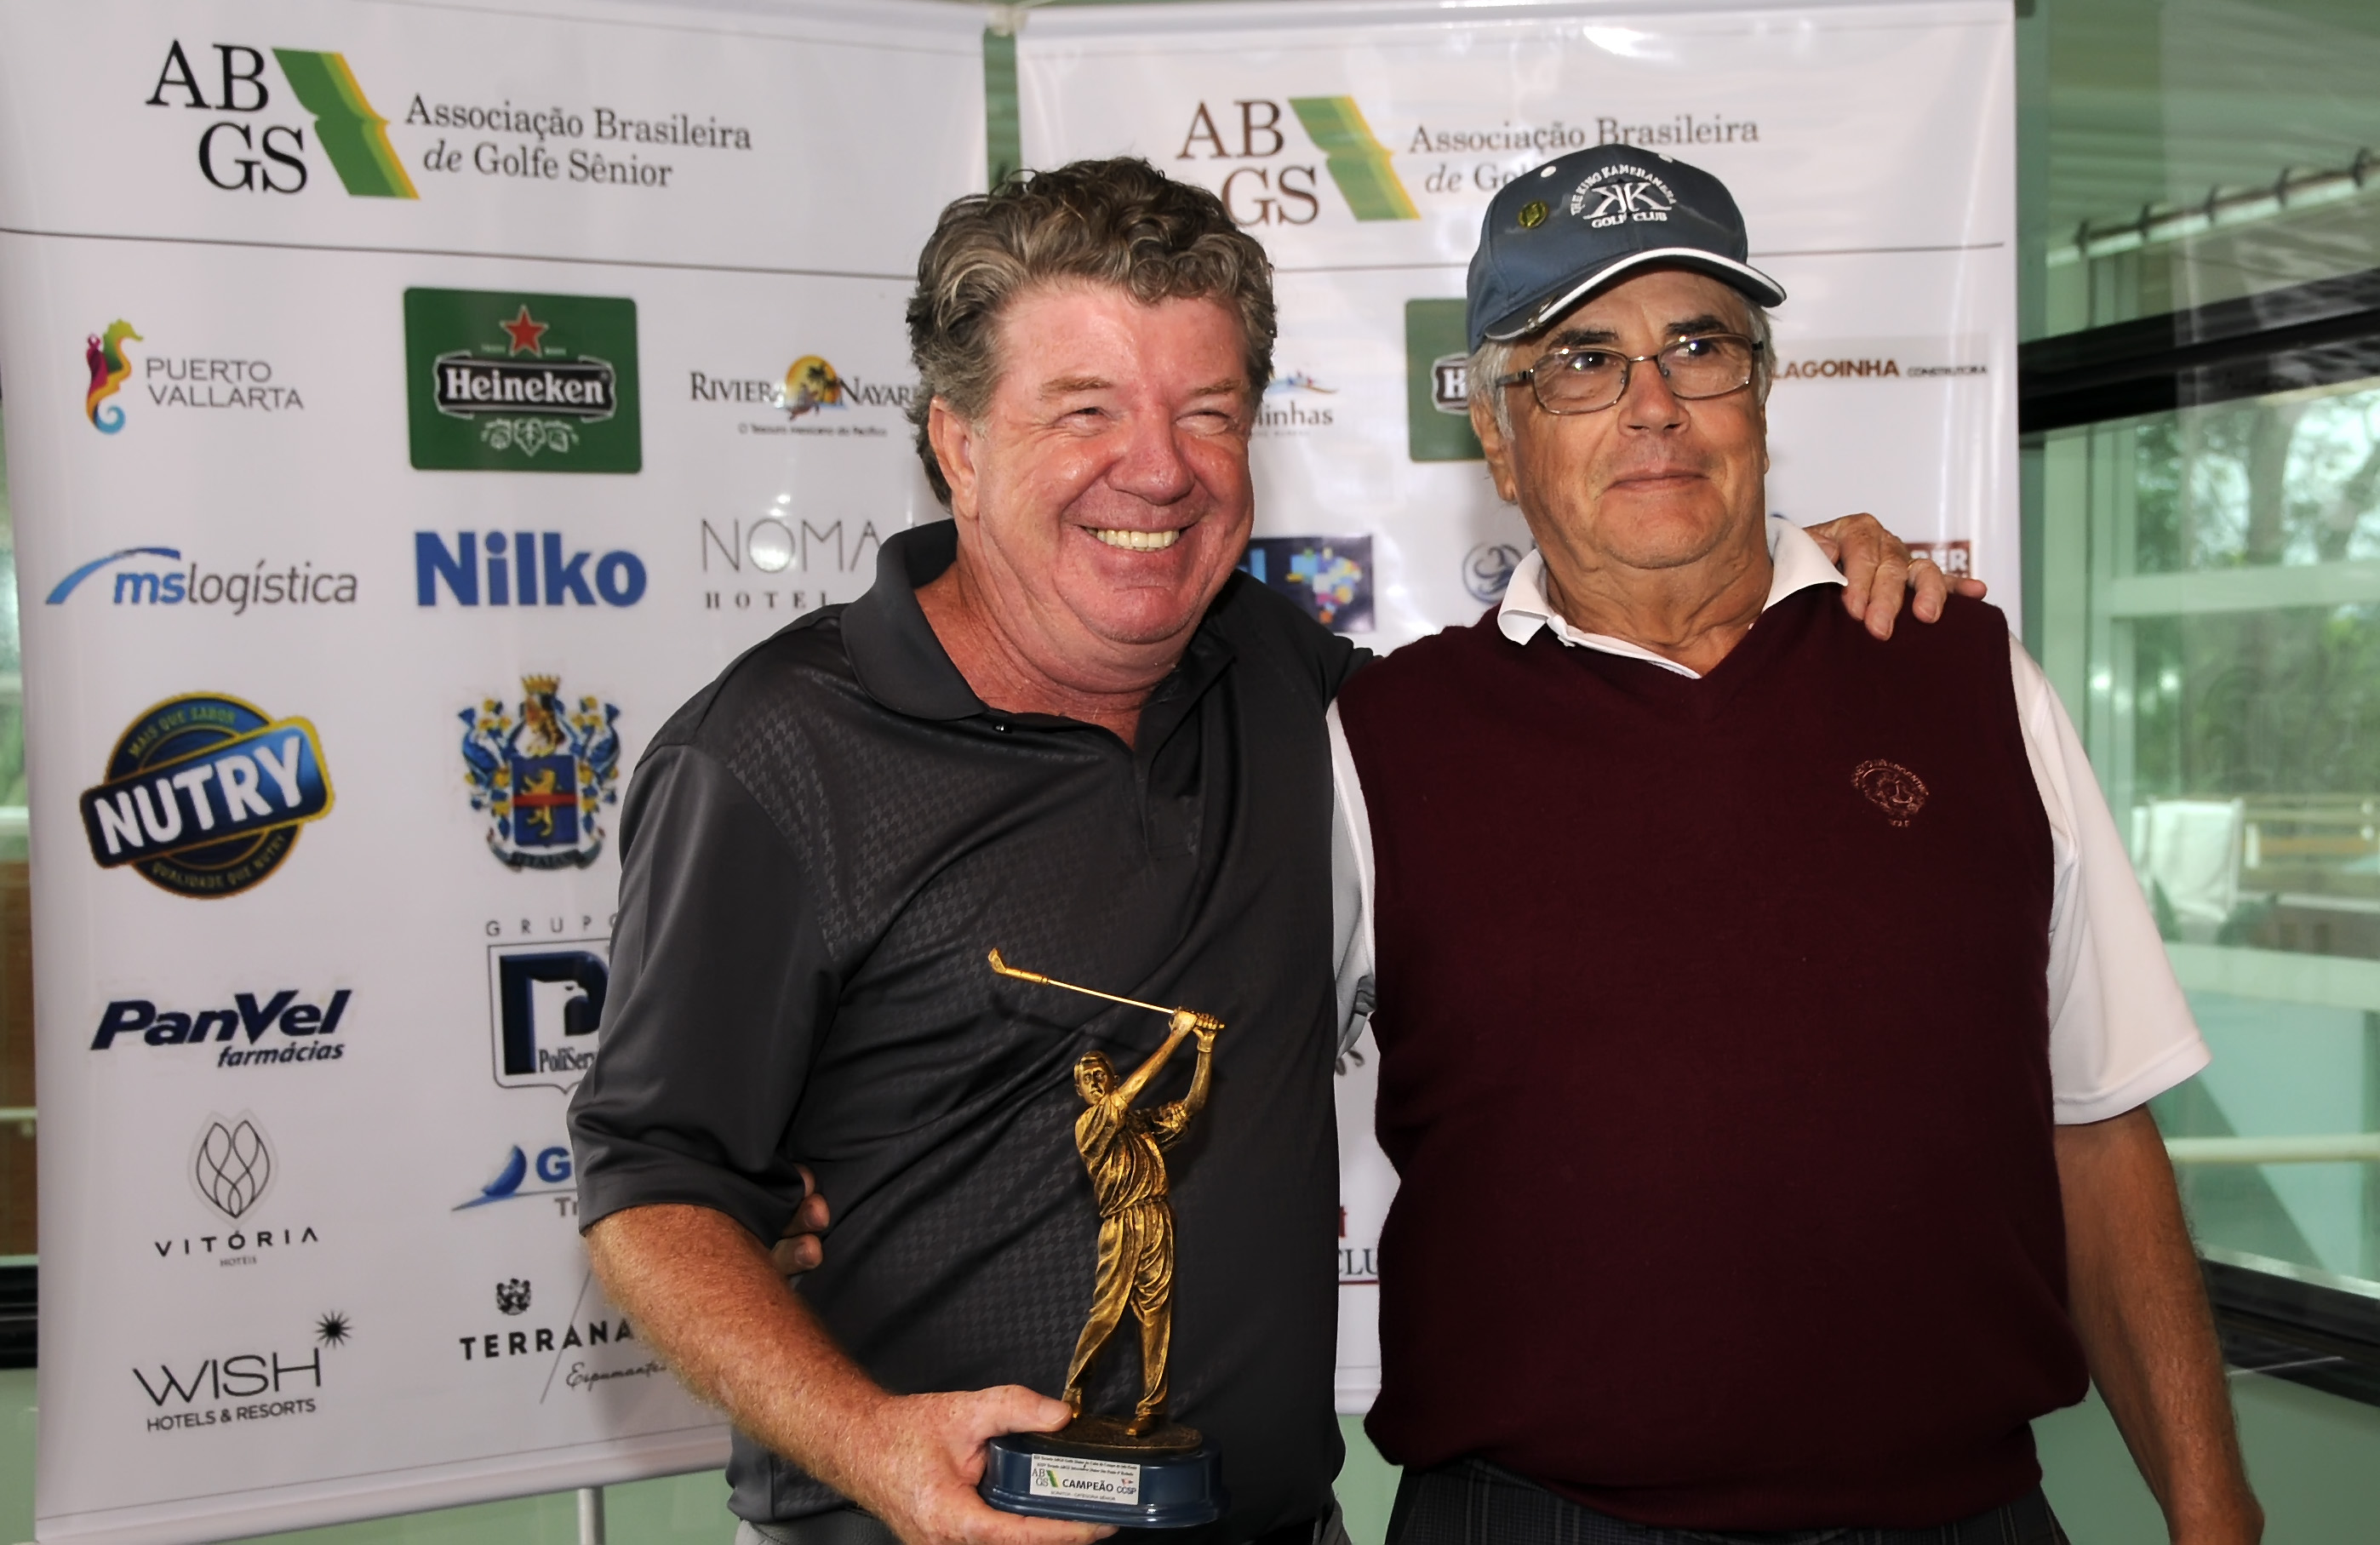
(1145, 1470)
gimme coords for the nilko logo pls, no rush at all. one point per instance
(1283, 194)
(240, 150)
(103, 352)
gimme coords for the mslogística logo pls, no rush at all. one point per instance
(141, 583)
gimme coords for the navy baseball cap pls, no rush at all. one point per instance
(1587, 219)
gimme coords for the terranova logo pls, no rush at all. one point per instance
(543, 775)
(247, 145)
(1283, 192)
(507, 382)
(204, 794)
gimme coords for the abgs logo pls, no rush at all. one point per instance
(238, 153)
(1360, 166)
(546, 1004)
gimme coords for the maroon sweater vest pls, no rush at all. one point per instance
(1715, 1066)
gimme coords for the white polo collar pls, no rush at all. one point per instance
(1796, 561)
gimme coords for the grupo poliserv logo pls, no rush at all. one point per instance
(247, 144)
(499, 381)
(546, 1004)
(1269, 188)
(205, 795)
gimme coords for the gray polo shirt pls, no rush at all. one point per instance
(818, 851)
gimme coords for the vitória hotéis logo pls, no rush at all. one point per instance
(233, 1167)
(542, 775)
(143, 580)
(204, 794)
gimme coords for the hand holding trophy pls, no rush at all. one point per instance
(1144, 1471)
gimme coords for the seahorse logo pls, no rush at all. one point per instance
(103, 353)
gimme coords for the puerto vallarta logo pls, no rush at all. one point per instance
(502, 381)
(543, 775)
(103, 352)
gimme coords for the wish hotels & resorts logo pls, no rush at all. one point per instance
(501, 380)
(205, 794)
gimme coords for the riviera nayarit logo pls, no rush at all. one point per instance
(103, 352)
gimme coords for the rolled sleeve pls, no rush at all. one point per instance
(2120, 1030)
(720, 989)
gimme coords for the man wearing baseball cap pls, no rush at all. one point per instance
(1769, 1103)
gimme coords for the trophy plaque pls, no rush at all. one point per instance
(1144, 1470)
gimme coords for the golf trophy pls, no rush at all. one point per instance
(1141, 1471)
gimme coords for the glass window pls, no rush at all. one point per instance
(16, 928)
(2210, 611)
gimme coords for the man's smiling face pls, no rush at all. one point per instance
(1651, 482)
(1106, 491)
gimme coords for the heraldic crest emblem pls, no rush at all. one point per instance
(543, 774)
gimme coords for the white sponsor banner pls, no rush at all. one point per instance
(410, 406)
(1870, 146)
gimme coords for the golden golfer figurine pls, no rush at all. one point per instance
(1089, 1469)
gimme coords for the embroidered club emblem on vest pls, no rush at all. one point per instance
(1891, 788)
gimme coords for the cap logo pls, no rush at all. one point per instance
(1533, 215)
(1619, 195)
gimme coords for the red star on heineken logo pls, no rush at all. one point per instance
(523, 333)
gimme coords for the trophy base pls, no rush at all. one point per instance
(1092, 1471)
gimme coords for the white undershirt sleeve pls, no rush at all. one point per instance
(2120, 1028)
(1350, 888)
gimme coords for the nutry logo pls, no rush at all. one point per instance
(813, 390)
(148, 584)
(501, 380)
(520, 566)
(1285, 193)
(238, 151)
(226, 1387)
(205, 795)
(301, 1026)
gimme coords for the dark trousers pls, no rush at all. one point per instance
(1469, 1503)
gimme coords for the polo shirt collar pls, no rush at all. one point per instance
(1796, 563)
(892, 648)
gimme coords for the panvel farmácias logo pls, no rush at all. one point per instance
(247, 145)
(204, 794)
(1283, 191)
(506, 382)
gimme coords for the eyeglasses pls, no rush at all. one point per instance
(1590, 380)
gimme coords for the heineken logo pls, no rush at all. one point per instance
(522, 382)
